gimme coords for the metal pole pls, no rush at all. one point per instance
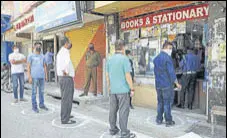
(55, 53)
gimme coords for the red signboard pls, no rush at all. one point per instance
(24, 22)
(189, 13)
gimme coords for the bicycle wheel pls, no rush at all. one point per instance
(8, 88)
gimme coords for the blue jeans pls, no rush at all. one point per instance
(165, 99)
(37, 83)
(15, 78)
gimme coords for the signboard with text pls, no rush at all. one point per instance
(179, 15)
(52, 14)
(24, 22)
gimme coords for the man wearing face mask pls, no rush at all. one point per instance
(66, 72)
(17, 70)
(37, 74)
(165, 78)
(93, 60)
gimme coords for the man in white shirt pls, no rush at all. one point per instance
(66, 72)
(17, 70)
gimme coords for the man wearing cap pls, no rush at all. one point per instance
(93, 60)
(165, 78)
(189, 65)
(17, 70)
(66, 72)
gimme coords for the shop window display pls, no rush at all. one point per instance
(145, 43)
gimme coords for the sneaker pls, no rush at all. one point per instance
(180, 106)
(132, 107)
(114, 132)
(69, 122)
(36, 110)
(130, 135)
(23, 100)
(158, 122)
(15, 101)
(170, 123)
(44, 108)
(83, 94)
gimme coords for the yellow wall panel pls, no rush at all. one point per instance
(80, 39)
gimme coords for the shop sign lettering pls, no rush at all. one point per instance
(189, 13)
(24, 22)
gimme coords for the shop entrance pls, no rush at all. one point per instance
(193, 38)
(49, 44)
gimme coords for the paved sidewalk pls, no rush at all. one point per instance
(93, 121)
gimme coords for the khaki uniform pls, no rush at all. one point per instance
(92, 62)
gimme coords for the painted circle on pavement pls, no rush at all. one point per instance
(80, 121)
(178, 121)
(107, 135)
(19, 103)
(30, 112)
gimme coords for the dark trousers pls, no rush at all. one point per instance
(165, 98)
(49, 67)
(67, 92)
(121, 102)
(91, 73)
(188, 87)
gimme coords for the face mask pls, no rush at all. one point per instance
(168, 51)
(38, 49)
(16, 50)
(91, 48)
(70, 46)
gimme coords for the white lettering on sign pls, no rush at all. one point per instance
(178, 15)
(206, 10)
(193, 12)
(185, 14)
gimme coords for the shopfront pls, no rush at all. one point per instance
(23, 28)
(52, 20)
(81, 28)
(145, 28)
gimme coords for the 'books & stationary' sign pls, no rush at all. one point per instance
(189, 13)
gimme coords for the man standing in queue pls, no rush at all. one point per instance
(17, 70)
(66, 72)
(165, 78)
(128, 52)
(93, 60)
(37, 74)
(120, 86)
(189, 65)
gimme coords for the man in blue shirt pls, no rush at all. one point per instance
(37, 74)
(128, 52)
(119, 82)
(49, 61)
(165, 78)
(190, 65)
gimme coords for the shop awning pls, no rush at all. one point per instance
(134, 8)
(10, 35)
(117, 6)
